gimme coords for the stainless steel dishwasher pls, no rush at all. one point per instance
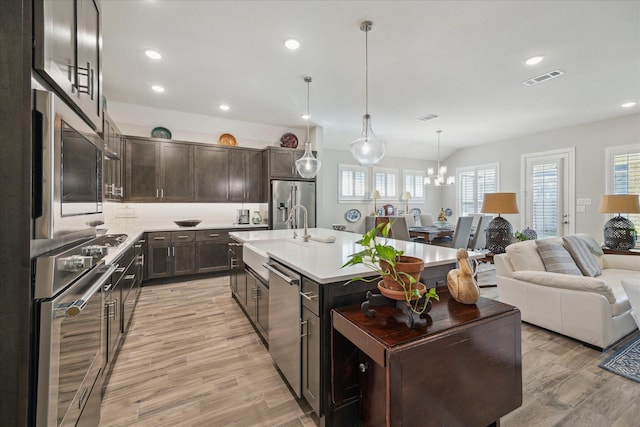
(285, 340)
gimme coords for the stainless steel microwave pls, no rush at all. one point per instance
(67, 171)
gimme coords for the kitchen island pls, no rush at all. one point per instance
(305, 282)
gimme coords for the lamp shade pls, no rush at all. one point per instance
(500, 203)
(406, 195)
(619, 203)
(375, 194)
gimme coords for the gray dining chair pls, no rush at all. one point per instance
(426, 220)
(460, 235)
(400, 231)
(479, 239)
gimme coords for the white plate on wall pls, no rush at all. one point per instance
(353, 215)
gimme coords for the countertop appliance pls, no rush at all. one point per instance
(68, 332)
(67, 172)
(243, 216)
(285, 342)
(284, 196)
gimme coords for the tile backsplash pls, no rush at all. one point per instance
(139, 215)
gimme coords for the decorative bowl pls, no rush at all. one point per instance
(339, 227)
(441, 224)
(188, 222)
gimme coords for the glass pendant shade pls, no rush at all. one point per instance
(368, 150)
(307, 165)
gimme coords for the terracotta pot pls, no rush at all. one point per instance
(408, 264)
(399, 294)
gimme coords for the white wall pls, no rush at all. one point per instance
(590, 142)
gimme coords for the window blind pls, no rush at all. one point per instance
(473, 183)
(626, 177)
(352, 183)
(545, 197)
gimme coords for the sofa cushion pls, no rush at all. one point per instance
(594, 247)
(558, 280)
(556, 259)
(524, 256)
(614, 277)
(581, 254)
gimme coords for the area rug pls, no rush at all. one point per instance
(625, 362)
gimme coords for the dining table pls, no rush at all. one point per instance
(429, 233)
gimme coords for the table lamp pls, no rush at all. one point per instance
(499, 232)
(619, 232)
(375, 195)
(406, 196)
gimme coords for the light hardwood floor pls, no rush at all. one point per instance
(192, 359)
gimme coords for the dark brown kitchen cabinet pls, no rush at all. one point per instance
(236, 270)
(68, 55)
(170, 254)
(211, 174)
(281, 162)
(245, 175)
(158, 171)
(212, 248)
(257, 303)
(112, 164)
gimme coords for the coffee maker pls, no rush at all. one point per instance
(243, 216)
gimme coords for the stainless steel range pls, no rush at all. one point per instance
(69, 332)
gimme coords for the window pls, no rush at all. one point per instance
(413, 182)
(624, 173)
(352, 183)
(386, 181)
(473, 182)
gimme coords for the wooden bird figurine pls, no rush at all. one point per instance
(462, 286)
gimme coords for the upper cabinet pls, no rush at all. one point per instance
(282, 162)
(158, 171)
(112, 164)
(188, 172)
(67, 53)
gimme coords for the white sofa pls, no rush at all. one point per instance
(594, 310)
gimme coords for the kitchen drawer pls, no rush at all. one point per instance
(206, 235)
(159, 237)
(123, 263)
(183, 236)
(310, 295)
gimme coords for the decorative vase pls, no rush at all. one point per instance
(399, 295)
(411, 265)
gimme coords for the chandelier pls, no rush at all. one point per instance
(307, 165)
(438, 178)
(368, 150)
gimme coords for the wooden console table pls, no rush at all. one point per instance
(463, 369)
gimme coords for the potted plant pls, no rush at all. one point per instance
(398, 274)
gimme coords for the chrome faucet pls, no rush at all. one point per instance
(306, 236)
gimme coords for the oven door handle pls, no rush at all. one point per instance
(76, 307)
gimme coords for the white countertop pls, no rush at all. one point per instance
(322, 262)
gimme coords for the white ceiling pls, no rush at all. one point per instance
(462, 60)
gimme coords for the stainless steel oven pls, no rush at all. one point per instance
(69, 334)
(67, 172)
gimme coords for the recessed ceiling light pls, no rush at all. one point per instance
(629, 104)
(292, 44)
(224, 107)
(153, 54)
(534, 60)
(305, 117)
(157, 88)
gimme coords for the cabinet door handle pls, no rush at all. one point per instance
(120, 270)
(173, 251)
(159, 238)
(129, 277)
(84, 72)
(183, 237)
(162, 193)
(214, 235)
(168, 251)
(157, 193)
(309, 295)
(306, 333)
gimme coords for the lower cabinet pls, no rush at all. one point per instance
(171, 253)
(257, 303)
(310, 294)
(211, 250)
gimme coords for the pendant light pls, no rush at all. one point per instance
(307, 165)
(438, 177)
(368, 150)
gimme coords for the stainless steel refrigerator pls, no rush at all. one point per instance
(284, 196)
